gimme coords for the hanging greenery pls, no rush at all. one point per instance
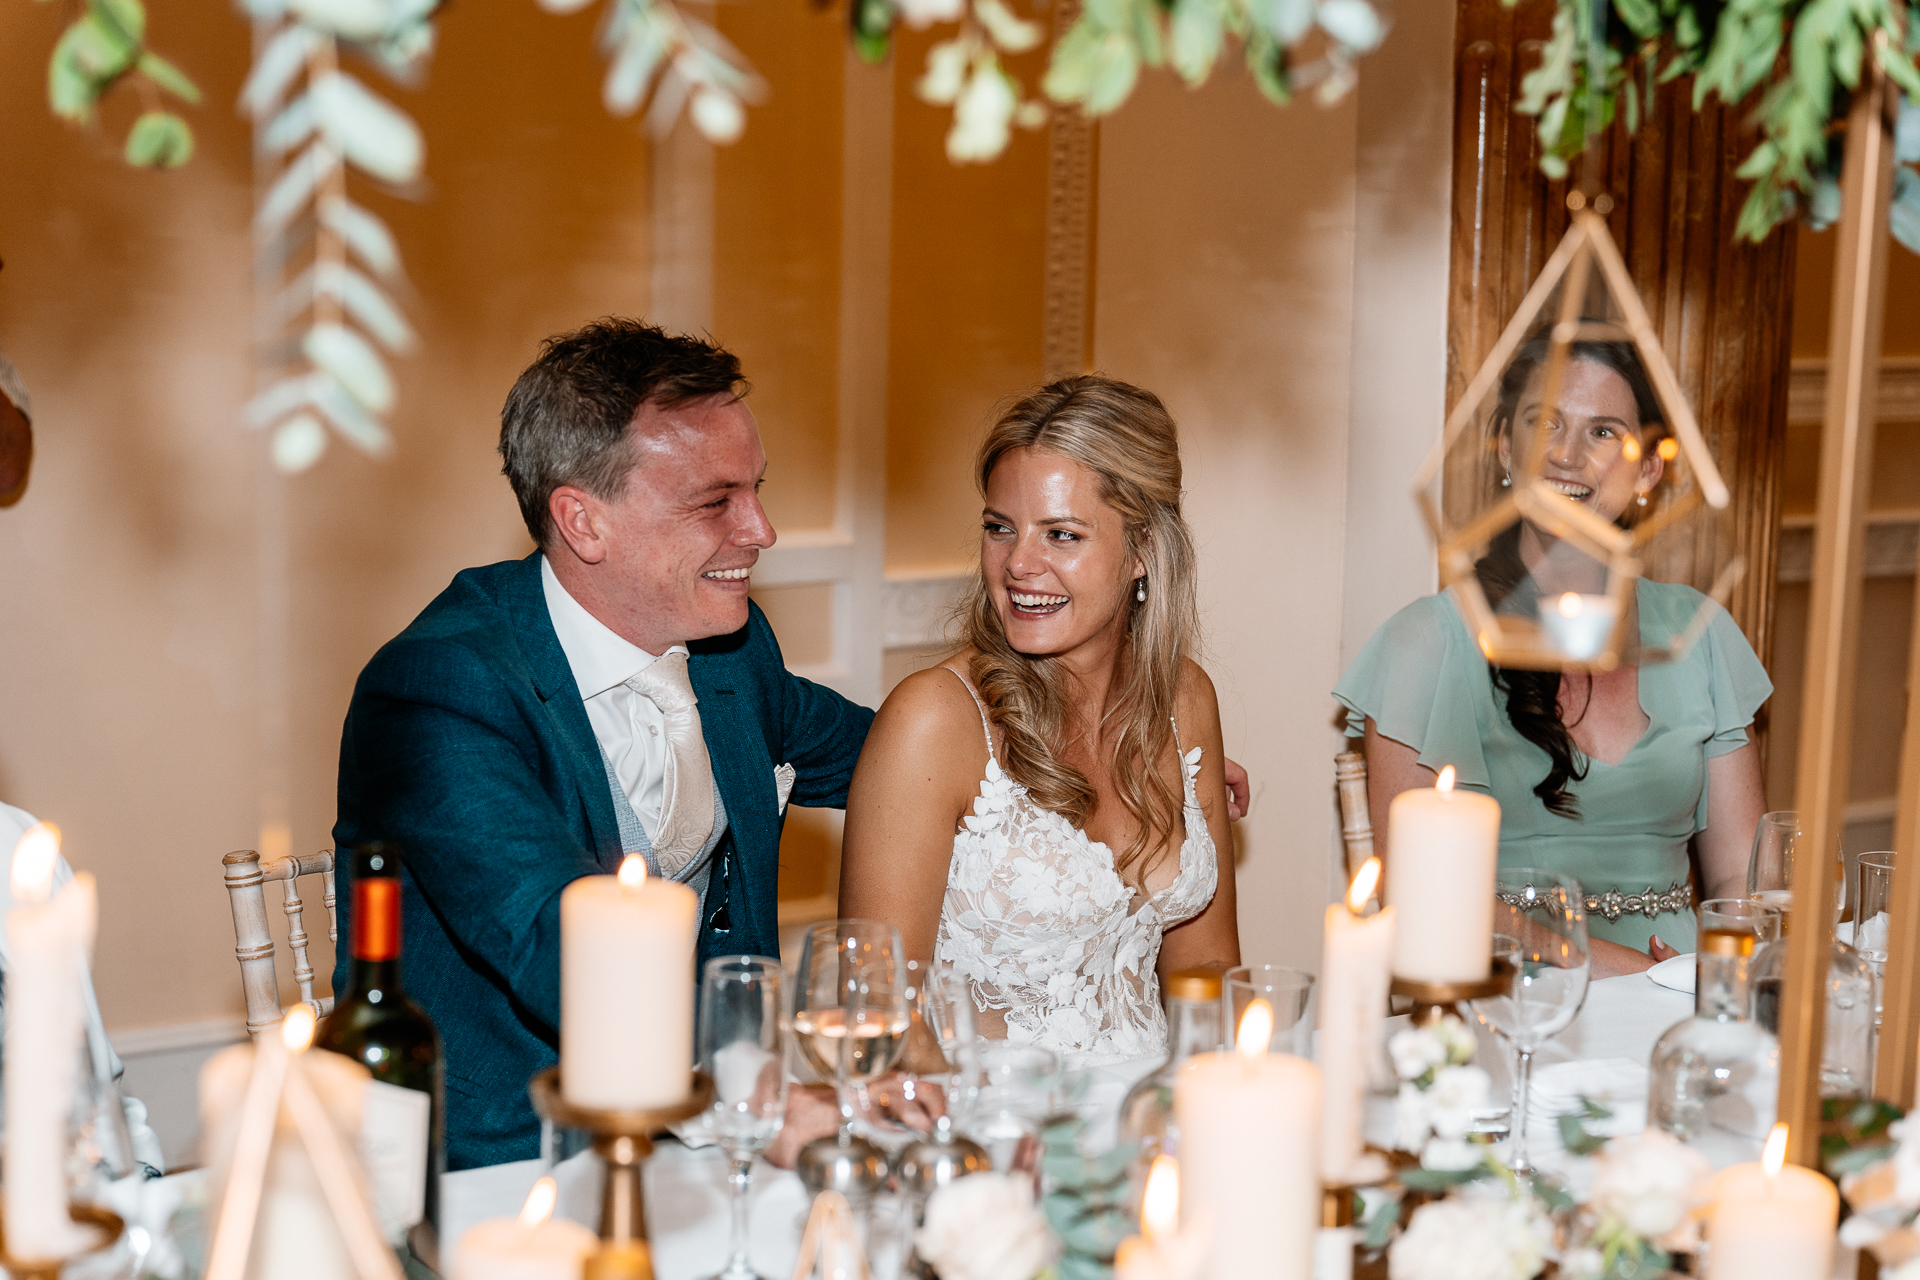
(1793, 63)
(105, 46)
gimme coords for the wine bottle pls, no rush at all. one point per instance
(375, 1024)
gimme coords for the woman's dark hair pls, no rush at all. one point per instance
(1533, 697)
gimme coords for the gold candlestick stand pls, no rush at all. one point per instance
(108, 1225)
(624, 1140)
(1433, 999)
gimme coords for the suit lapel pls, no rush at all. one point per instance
(744, 776)
(525, 600)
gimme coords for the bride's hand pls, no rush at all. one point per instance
(1238, 790)
(812, 1113)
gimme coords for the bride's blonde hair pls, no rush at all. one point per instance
(1124, 435)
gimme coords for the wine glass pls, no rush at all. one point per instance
(1015, 1094)
(850, 1019)
(1770, 868)
(1540, 928)
(743, 1050)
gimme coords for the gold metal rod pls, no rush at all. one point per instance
(1846, 459)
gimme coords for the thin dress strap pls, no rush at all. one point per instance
(985, 726)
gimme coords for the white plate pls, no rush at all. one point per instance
(1674, 973)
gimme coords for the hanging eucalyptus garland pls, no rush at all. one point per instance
(1794, 63)
(105, 46)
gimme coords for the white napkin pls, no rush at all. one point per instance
(1675, 973)
(1618, 1084)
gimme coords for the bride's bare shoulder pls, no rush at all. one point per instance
(933, 700)
(928, 731)
(1194, 700)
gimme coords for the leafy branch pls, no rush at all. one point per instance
(1798, 61)
(103, 46)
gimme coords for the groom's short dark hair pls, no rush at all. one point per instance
(566, 419)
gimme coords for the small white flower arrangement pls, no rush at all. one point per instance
(1474, 1236)
(1440, 1090)
(985, 1226)
(1644, 1205)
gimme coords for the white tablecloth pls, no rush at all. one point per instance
(687, 1194)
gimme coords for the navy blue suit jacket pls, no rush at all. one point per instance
(468, 745)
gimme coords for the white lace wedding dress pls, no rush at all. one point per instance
(1042, 925)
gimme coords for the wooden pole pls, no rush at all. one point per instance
(1846, 458)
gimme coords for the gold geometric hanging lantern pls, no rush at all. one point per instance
(1571, 462)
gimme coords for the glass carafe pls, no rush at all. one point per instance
(1193, 1026)
(1715, 1077)
(1846, 1059)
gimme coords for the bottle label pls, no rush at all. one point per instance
(393, 1147)
(376, 918)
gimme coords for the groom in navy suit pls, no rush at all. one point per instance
(614, 692)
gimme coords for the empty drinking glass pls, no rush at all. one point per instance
(1770, 868)
(1288, 991)
(1540, 928)
(1013, 1092)
(742, 1047)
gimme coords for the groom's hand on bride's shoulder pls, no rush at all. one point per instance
(1238, 792)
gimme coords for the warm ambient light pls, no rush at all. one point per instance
(33, 862)
(1364, 882)
(1630, 449)
(1256, 1031)
(539, 1205)
(296, 1029)
(1571, 605)
(1668, 449)
(1776, 1152)
(1160, 1206)
(1445, 781)
(633, 872)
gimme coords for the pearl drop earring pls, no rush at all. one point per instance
(1140, 589)
(1642, 499)
(1506, 481)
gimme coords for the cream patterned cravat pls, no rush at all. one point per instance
(686, 795)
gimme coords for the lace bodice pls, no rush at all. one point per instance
(1042, 925)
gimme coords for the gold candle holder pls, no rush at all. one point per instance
(108, 1224)
(1433, 999)
(624, 1140)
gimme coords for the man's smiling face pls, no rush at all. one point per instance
(671, 557)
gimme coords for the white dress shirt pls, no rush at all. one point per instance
(628, 727)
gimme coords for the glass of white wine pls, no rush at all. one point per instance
(851, 1011)
(1776, 840)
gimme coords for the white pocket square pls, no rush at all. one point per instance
(783, 776)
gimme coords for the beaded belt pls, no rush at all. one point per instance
(1613, 904)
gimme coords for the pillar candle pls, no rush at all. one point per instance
(626, 990)
(534, 1246)
(1355, 960)
(1442, 847)
(48, 935)
(1771, 1219)
(1250, 1162)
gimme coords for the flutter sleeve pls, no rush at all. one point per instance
(1736, 681)
(1421, 683)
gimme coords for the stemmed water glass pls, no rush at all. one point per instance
(742, 1047)
(850, 1019)
(1776, 841)
(1540, 928)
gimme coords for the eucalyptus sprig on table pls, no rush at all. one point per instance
(107, 45)
(1794, 63)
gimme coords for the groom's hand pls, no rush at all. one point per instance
(1237, 791)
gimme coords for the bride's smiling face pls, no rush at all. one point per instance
(1053, 554)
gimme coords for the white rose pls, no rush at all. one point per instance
(982, 116)
(1456, 1038)
(1649, 1182)
(1472, 1237)
(984, 1227)
(1456, 1093)
(1415, 1052)
(1451, 1154)
(924, 13)
(1583, 1264)
(1410, 1124)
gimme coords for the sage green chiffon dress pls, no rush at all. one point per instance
(1424, 683)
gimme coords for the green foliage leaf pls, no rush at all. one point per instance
(168, 77)
(1440, 1181)
(159, 140)
(1196, 35)
(1573, 1128)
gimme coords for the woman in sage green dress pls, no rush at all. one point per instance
(1610, 777)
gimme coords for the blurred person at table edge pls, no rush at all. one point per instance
(616, 691)
(1613, 777)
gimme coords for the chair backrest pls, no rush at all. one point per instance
(1356, 824)
(246, 877)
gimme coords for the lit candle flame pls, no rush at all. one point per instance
(1630, 449)
(1776, 1152)
(539, 1205)
(296, 1029)
(1445, 781)
(1256, 1031)
(1668, 449)
(1160, 1206)
(633, 872)
(34, 859)
(1364, 882)
(1571, 605)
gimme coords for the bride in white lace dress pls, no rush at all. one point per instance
(1047, 808)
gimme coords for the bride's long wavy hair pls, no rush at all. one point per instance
(1124, 435)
